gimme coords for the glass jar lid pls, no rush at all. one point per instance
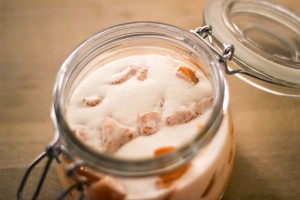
(266, 38)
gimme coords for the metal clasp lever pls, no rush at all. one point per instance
(228, 50)
(52, 153)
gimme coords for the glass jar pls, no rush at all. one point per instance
(208, 154)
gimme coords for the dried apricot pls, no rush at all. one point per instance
(188, 112)
(163, 150)
(114, 134)
(187, 74)
(106, 188)
(139, 72)
(86, 173)
(92, 101)
(149, 123)
(166, 180)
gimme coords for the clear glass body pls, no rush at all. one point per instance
(199, 168)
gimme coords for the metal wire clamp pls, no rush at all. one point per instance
(228, 51)
(53, 152)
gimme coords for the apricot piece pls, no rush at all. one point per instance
(166, 180)
(188, 112)
(92, 101)
(88, 174)
(163, 150)
(149, 123)
(187, 74)
(131, 71)
(82, 132)
(182, 114)
(106, 188)
(142, 73)
(114, 134)
(200, 127)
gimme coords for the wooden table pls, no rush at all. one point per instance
(36, 37)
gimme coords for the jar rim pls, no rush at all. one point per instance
(148, 166)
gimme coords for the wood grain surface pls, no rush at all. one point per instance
(36, 37)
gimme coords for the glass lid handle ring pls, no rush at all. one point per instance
(204, 32)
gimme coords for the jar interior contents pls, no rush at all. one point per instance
(146, 105)
(148, 100)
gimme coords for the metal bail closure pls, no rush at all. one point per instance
(204, 32)
(53, 152)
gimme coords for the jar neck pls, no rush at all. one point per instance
(135, 35)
